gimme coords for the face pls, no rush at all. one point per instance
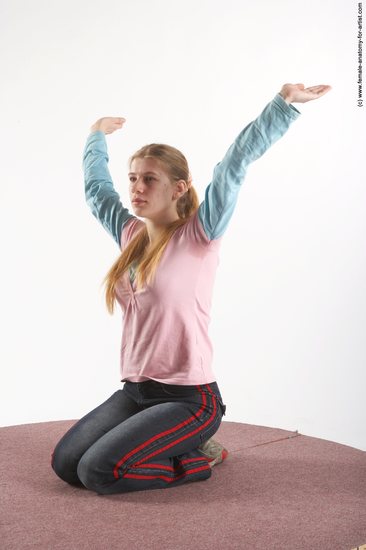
(152, 194)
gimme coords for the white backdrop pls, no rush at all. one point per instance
(289, 310)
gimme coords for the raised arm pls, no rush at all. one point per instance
(222, 193)
(101, 197)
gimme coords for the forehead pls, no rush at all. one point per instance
(143, 165)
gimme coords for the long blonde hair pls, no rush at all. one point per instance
(176, 166)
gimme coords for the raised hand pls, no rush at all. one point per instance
(297, 93)
(108, 124)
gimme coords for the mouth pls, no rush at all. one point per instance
(137, 202)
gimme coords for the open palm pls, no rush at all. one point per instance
(108, 124)
(297, 93)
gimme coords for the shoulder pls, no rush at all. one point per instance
(194, 231)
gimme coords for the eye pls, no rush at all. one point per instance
(146, 178)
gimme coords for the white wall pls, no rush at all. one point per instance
(289, 311)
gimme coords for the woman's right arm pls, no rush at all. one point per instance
(101, 197)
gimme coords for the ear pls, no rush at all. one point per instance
(181, 187)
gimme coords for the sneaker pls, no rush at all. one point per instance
(213, 451)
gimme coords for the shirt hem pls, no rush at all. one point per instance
(173, 381)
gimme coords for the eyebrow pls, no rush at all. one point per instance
(134, 173)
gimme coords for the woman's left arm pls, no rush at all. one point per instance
(252, 142)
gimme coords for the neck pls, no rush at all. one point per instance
(155, 229)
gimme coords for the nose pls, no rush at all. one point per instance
(138, 186)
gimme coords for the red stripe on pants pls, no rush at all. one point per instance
(166, 432)
(167, 468)
(168, 479)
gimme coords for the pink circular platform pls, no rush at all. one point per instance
(277, 489)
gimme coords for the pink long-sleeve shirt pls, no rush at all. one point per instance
(165, 325)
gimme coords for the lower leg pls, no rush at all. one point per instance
(156, 448)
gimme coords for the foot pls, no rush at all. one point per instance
(213, 451)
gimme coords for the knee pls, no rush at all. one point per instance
(90, 473)
(64, 465)
(97, 475)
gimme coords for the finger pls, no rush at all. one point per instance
(117, 123)
(313, 89)
(323, 91)
(319, 88)
(115, 119)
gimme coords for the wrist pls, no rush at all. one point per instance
(286, 97)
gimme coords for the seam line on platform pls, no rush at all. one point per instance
(292, 436)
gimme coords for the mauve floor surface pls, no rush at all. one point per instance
(276, 490)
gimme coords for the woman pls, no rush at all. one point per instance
(157, 430)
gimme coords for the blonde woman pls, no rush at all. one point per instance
(156, 431)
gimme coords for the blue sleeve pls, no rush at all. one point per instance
(222, 193)
(101, 197)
